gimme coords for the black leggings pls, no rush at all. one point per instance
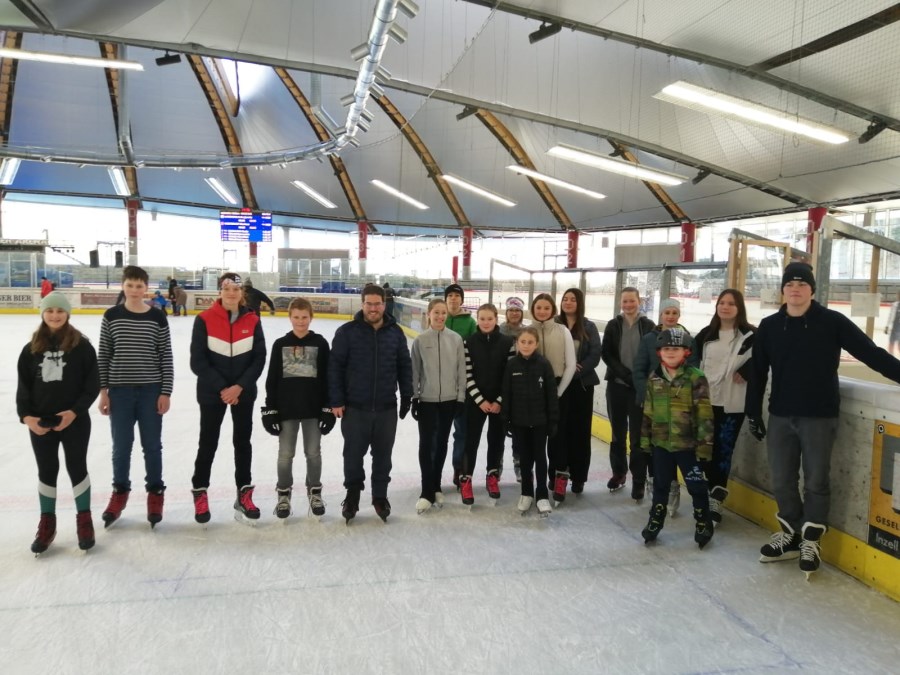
(74, 439)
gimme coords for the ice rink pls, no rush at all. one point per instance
(453, 590)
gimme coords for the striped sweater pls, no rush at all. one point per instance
(135, 349)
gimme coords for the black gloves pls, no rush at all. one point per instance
(405, 405)
(414, 409)
(757, 427)
(271, 420)
(326, 421)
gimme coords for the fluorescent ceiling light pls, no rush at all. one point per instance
(555, 181)
(9, 169)
(699, 98)
(221, 190)
(47, 57)
(399, 195)
(471, 187)
(300, 185)
(120, 185)
(615, 165)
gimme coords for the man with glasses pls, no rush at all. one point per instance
(369, 360)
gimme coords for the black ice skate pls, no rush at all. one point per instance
(155, 500)
(655, 524)
(245, 510)
(616, 483)
(201, 505)
(784, 545)
(283, 505)
(703, 527)
(350, 505)
(716, 496)
(810, 549)
(316, 503)
(382, 507)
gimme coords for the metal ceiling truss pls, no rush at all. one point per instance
(110, 50)
(340, 171)
(8, 69)
(515, 149)
(655, 188)
(428, 160)
(229, 135)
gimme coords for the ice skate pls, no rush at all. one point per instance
(543, 507)
(46, 533)
(439, 499)
(201, 505)
(716, 496)
(382, 507)
(810, 548)
(517, 470)
(84, 526)
(245, 510)
(423, 505)
(155, 499)
(577, 487)
(559, 488)
(493, 485)
(350, 505)
(655, 523)
(616, 483)
(466, 491)
(283, 505)
(703, 527)
(784, 545)
(117, 501)
(316, 503)
(525, 503)
(638, 490)
(674, 498)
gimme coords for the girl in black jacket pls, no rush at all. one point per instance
(58, 382)
(531, 408)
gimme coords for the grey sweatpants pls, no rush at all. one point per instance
(793, 442)
(287, 447)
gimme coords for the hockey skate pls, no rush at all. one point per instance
(423, 505)
(350, 505)
(784, 545)
(493, 485)
(703, 527)
(155, 499)
(655, 524)
(46, 533)
(316, 503)
(245, 510)
(84, 526)
(674, 498)
(638, 490)
(810, 548)
(716, 496)
(117, 501)
(201, 505)
(559, 488)
(382, 507)
(524, 504)
(616, 483)
(283, 505)
(543, 507)
(466, 491)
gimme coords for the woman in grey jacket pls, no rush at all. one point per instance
(439, 391)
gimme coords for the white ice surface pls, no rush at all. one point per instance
(454, 590)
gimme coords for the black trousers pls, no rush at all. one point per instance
(364, 429)
(435, 422)
(74, 439)
(211, 417)
(532, 444)
(625, 418)
(665, 470)
(573, 451)
(496, 437)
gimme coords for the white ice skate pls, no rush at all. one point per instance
(439, 499)
(544, 508)
(525, 504)
(423, 505)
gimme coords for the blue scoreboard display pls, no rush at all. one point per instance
(245, 225)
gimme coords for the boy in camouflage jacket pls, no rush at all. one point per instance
(677, 432)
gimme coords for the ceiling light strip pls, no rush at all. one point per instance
(300, 185)
(700, 98)
(399, 195)
(555, 181)
(9, 169)
(592, 159)
(471, 187)
(221, 190)
(120, 185)
(47, 57)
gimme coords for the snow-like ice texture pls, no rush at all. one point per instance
(448, 591)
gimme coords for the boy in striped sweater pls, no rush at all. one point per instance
(136, 374)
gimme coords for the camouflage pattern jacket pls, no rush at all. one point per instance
(677, 413)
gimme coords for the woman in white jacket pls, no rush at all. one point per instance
(439, 392)
(722, 351)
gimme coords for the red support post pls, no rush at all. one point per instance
(688, 239)
(572, 251)
(814, 219)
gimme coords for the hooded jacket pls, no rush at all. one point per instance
(463, 324)
(297, 381)
(439, 367)
(367, 365)
(723, 390)
(677, 413)
(612, 338)
(646, 360)
(53, 381)
(555, 344)
(588, 353)
(486, 357)
(529, 392)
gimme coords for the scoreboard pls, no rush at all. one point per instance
(245, 225)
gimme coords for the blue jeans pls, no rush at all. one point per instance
(128, 405)
(459, 440)
(362, 430)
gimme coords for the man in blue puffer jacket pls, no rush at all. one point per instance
(369, 359)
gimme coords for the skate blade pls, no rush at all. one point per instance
(494, 501)
(617, 488)
(244, 520)
(107, 525)
(546, 514)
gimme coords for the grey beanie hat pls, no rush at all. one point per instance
(669, 302)
(56, 300)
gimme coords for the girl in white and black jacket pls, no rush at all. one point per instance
(531, 409)
(58, 382)
(723, 351)
(439, 391)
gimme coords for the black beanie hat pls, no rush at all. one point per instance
(455, 288)
(798, 271)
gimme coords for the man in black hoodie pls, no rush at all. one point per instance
(802, 344)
